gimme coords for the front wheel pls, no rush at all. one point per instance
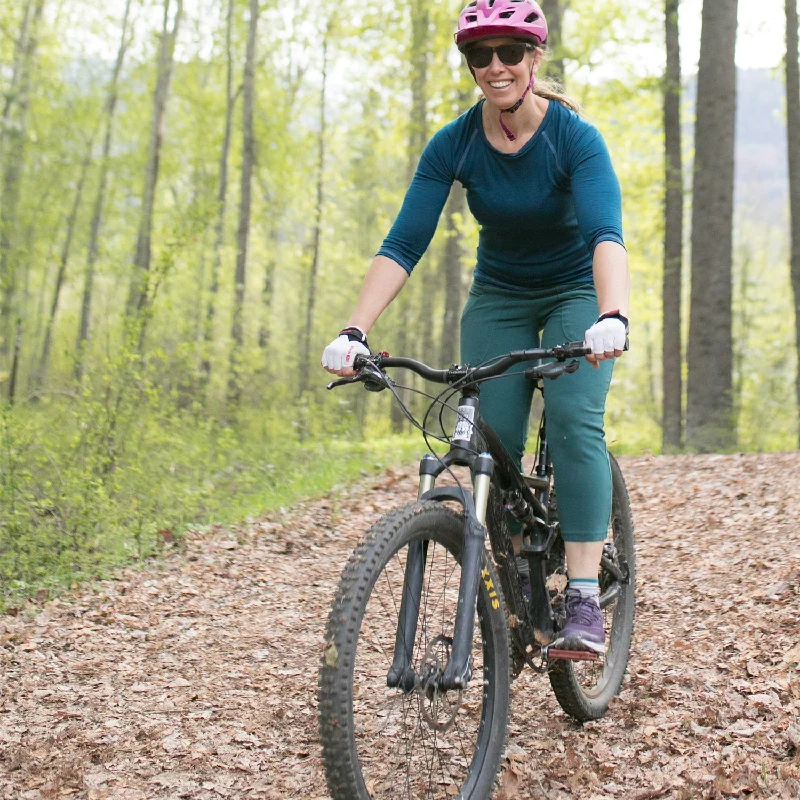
(411, 741)
(584, 688)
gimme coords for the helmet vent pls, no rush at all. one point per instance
(472, 17)
(532, 17)
(491, 3)
(507, 14)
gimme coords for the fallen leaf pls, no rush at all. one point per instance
(331, 655)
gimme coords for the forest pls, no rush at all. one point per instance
(190, 194)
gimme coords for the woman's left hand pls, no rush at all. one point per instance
(607, 339)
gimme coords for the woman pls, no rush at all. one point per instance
(551, 267)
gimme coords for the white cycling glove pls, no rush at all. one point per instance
(342, 351)
(608, 334)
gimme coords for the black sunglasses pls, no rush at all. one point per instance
(510, 54)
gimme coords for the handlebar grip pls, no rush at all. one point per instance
(579, 349)
(360, 361)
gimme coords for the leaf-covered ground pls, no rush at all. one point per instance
(198, 680)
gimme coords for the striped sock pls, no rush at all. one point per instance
(586, 586)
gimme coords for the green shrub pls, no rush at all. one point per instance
(104, 479)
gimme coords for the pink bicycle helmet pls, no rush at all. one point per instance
(484, 19)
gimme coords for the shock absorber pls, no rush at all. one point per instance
(519, 507)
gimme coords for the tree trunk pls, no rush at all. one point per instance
(99, 202)
(709, 410)
(219, 227)
(305, 334)
(243, 233)
(451, 270)
(269, 280)
(20, 64)
(137, 295)
(417, 137)
(793, 129)
(12, 155)
(272, 230)
(201, 282)
(742, 323)
(672, 416)
(554, 14)
(12, 381)
(41, 372)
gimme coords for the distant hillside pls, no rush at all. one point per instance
(761, 188)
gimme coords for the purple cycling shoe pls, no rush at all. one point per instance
(584, 628)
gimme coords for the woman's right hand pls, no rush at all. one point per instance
(339, 355)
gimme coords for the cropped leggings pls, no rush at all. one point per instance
(496, 321)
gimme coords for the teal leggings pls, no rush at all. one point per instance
(496, 321)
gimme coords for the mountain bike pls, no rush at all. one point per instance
(428, 627)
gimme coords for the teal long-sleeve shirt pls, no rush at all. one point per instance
(541, 211)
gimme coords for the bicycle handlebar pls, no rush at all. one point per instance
(464, 372)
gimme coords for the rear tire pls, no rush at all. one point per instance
(584, 688)
(381, 742)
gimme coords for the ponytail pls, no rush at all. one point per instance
(551, 89)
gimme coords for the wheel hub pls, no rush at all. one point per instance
(438, 707)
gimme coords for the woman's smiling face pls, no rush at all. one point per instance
(503, 84)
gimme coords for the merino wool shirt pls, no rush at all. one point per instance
(542, 210)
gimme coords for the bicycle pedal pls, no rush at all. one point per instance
(572, 655)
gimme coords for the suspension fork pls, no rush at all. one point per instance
(459, 666)
(401, 674)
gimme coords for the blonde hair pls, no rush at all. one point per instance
(551, 89)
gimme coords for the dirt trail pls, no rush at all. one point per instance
(198, 680)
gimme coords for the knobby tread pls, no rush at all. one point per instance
(341, 636)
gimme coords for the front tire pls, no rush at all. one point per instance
(584, 688)
(382, 742)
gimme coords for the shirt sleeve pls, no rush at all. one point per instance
(419, 215)
(595, 188)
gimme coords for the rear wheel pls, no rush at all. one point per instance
(385, 742)
(584, 688)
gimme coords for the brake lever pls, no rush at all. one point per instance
(367, 378)
(552, 370)
(572, 366)
(358, 378)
